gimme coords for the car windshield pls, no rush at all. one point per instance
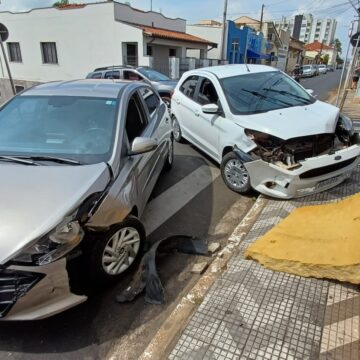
(153, 75)
(262, 92)
(306, 67)
(66, 127)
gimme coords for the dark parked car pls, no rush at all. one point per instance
(162, 83)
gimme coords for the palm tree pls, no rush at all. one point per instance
(61, 3)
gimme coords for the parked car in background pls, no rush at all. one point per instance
(330, 68)
(162, 83)
(308, 71)
(322, 69)
(79, 161)
(265, 130)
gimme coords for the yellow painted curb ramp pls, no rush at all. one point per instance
(321, 241)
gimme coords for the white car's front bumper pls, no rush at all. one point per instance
(315, 174)
(50, 295)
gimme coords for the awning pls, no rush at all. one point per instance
(255, 55)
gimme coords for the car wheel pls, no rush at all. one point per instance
(117, 250)
(167, 101)
(234, 174)
(176, 129)
(170, 157)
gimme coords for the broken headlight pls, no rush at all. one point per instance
(54, 245)
(263, 139)
(344, 129)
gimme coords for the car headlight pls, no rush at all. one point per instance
(263, 139)
(54, 245)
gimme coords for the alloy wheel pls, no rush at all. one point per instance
(236, 174)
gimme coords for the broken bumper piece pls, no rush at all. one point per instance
(314, 175)
(35, 292)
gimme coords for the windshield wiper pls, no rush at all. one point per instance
(59, 160)
(18, 160)
(268, 98)
(284, 92)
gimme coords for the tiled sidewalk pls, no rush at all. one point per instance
(255, 313)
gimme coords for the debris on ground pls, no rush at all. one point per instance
(319, 241)
(147, 278)
(199, 268)
(214, 247)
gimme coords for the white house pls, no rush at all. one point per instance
(66, 43)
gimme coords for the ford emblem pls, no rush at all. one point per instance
(338, 157)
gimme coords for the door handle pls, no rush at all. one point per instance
(177, 101)
(196, 112)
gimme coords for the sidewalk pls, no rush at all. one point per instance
(254, 313)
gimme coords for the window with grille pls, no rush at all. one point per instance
(14, 51)
(49, 53)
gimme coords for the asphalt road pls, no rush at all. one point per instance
(322, 84)
(192, 200)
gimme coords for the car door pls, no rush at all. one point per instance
(205, 127)
(136, 125)
(183, 105)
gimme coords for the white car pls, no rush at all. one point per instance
(322, 69)
(267, 132)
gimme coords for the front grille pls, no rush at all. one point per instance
(13, 285)
(326, 169)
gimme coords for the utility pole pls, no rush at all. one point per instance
(150, 5)
(223, 32)
(262, 16)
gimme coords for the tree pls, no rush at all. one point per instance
(61, 3)
(339, 60)
(325, 59)
(337, 44)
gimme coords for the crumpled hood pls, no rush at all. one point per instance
(296, 121)
(34, 199)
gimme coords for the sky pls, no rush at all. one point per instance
(195, 10)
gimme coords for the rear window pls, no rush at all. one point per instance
(96, 75)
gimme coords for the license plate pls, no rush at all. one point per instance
(334, 180)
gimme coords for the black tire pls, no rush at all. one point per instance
(98, 273)
(234, 174)
(170, 158)
(176, 130)
(167, 101)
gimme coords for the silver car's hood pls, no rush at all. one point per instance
(287, 123)
(34, 199)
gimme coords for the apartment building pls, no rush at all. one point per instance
(308, 29)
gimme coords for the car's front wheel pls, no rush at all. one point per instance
(176, 129)
(234, 174)
(117, 250)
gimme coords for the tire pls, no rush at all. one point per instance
(170, 158)
(128, 255)
(176, 130)
(234, 174)
(167, 101)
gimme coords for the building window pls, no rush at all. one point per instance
(14, 51)
(172, 52)
(149, 50)
(49, 54)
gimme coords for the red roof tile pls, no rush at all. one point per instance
(316, 46)
(70, 6)
(171, 34)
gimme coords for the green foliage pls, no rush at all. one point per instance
(61, 3)
(339, 60)
(325, 59)
(337, 44)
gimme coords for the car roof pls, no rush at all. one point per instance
(224, 71)
(86, 87)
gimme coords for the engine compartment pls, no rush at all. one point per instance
(289, 153)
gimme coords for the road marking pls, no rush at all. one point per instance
(163, 207)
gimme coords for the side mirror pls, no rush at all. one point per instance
(141, 145)
(210, 109)
(310, 91)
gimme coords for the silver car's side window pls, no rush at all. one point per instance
(132, 75)
(151, 99)
(136, 120)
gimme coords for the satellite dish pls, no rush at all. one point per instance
(354, 39)
(4, 32)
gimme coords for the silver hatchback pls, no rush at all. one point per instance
(78, 163)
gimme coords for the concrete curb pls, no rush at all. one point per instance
(165, 338)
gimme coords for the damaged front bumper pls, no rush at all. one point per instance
(35, 292)
(316, 174)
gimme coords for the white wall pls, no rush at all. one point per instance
(210, 33)
(85, 38)
(150, 18)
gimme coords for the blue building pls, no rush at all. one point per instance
(244, 45)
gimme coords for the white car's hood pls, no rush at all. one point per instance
(287, 123)
(34, 199)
